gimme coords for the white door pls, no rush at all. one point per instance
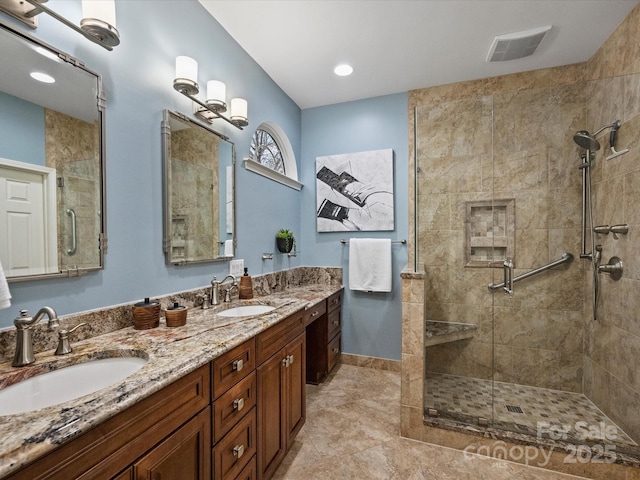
(27, 231)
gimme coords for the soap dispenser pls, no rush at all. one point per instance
(246, 288)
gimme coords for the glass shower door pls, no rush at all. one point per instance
(457, 229)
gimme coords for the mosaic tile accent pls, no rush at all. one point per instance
(466, 399)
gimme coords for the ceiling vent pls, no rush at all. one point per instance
(516, 45)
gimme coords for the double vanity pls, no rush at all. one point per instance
(222, 397)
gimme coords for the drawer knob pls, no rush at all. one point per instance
(237, 365)
(335, 322)
(238, 451)
(315, 313)
(335, 350)
(238, 404)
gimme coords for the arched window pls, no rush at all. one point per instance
(272, 155)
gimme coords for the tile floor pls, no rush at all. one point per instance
(466, 399)
(353, 432)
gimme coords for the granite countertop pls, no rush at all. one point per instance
(171, 352)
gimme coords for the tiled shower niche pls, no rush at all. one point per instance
(489, 232)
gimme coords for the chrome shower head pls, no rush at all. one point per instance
(587, 141)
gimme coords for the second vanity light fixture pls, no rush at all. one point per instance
(98, 23)
(186, 82)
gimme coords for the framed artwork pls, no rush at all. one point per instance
(354, 192)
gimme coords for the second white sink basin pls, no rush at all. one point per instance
(246, 310)
(66, 384)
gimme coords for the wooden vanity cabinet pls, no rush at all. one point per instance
(176, 417)
(281, 391)
(323, 339)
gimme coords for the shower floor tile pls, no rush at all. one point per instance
(552, 413)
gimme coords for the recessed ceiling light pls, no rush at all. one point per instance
(42, 77)
(343, 70)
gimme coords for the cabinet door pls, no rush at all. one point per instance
(184, 455)
(271, 420)
(296, 388)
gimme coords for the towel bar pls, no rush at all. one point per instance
(403, 241)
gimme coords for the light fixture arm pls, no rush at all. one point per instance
(39, 8)
(236, 124)
(204, 105)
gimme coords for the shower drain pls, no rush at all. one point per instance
(514, 409)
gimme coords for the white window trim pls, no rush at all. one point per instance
(288, 157)
(260, 169)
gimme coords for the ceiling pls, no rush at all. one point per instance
(400, 45)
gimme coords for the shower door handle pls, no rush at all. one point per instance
(508, 276)
(74, 232)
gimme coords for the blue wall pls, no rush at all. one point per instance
(137, 79)
(16, 117)
(371, 321)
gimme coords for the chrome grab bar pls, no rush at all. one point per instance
(74, 232)
(507, 267)
(566, 257)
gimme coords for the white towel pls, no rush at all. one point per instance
(370, 264)
(228, 248)
(5, 295)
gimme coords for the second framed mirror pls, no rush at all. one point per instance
(198, 190)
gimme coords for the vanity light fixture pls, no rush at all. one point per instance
(186, 82)
(98, 24)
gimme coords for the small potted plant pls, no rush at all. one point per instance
(285, 240)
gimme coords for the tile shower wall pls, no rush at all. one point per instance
(72, 148)
(611, 376)
(194, 171)
(508, 138)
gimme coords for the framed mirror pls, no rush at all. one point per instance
(52, 163)
(198, 190)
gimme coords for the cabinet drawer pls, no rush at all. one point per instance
(250, 472)
(314, 312)
(233, 405)
(232, 366)
(333, 351)
(235, 450)
(277, 336)
(334, 301)
(333, 323)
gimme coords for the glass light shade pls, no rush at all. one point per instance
(216, 95)
(187, 68)
(104, 10)
(239, 108)
(99, 22)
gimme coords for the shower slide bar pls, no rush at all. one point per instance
(566, 257)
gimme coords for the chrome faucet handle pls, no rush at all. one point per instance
(203, 301)
(227, 292)
(64, 347)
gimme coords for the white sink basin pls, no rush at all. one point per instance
(246, 310)
(66, 384)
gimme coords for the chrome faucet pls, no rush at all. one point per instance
(215, 289)
(24, 335)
